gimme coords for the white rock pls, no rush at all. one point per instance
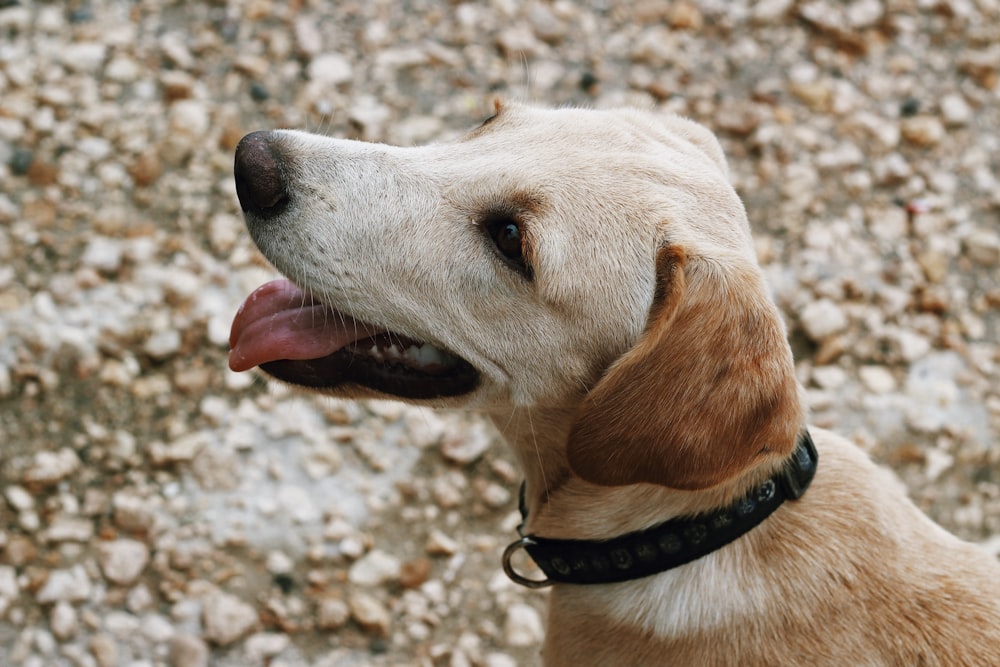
(332, 613)
(263, 646)
(103, 254)
(182, 450)
(822, 319)
(86, 57)
(909, 345)
(187, 651)
(439, 544)
(9, 588)
(523, 626)
(70, 585)
(63, 621)
(374, 569)
(499, 660)
(51, 467)
(226, 618)
(163, 344)
(156, 629)
(467, 447)
(351, 546)
(983, 246)
(278, 562)
(308, 39)
(877, 379)
(829, 377)
(922, 130)
(105, 650)
(330, 69)
(45, 643)
(19, 498)
(69, 529)
(864, 13)
(955, 110)
(495, 495)
(139, 599)
(370, 613)
(190, 118)
(122, 561)
(123, 69)
(132, 512)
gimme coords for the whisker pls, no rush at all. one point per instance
(538, 454)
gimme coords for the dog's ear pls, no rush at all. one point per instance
(708, 391)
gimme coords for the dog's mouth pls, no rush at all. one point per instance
(297, 339)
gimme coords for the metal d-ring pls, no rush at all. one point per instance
(515, 576)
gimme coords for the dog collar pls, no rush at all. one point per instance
(666, 545)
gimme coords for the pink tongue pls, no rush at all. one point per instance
(279, 321)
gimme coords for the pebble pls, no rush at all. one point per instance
(463, 449)
(332, 613)
(877, 379)
(369, 612)
(187, 651)
(263, 646)
(227, 618)
(47, 468)
(163, 344)
(922, 130)
(308, 39)
(122, 561)
(65, 585)
(955, 111)
(374, 569)
(769, 11)
(18, 498)
(105, 650)
(522, 626)
(822, 319)
(414, 573)
(132, 512)
(983, 247)
(330, 69)
(439, 544)
(63, 621)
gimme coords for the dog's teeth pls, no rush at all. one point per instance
(426, 355)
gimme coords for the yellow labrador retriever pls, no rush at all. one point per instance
(588, 279)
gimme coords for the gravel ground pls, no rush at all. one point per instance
(156, 509)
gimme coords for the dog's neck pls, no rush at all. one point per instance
(564, 506)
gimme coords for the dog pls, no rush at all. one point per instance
(588, 279)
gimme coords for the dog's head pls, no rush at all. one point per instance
(548, 258)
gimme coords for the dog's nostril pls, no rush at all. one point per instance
(258, 170)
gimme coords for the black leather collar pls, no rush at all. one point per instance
(666, 545)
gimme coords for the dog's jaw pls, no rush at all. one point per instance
(299, 340)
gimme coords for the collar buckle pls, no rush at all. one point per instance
(514, 575)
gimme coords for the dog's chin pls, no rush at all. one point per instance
(353, 373)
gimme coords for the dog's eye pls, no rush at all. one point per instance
(507, 236)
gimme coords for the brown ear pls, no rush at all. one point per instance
(708, 391)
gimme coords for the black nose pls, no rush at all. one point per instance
(259, 172)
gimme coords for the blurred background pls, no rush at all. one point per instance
(156, 509)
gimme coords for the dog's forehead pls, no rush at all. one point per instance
(574, 131)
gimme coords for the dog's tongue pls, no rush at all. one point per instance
(279, 321)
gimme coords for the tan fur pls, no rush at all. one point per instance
(641, 374)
